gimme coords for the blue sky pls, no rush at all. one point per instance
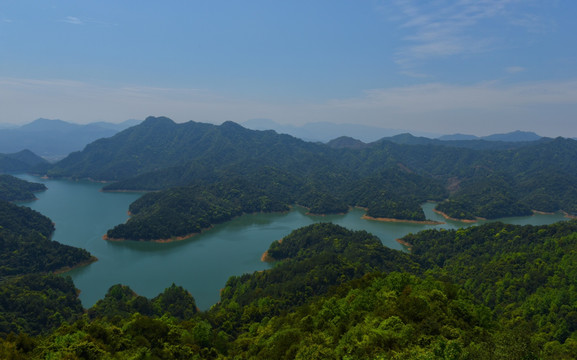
(442, 66)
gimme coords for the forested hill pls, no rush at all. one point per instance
(188, 151)
(22, 161)
(224, 171)
(14, 189)
(493, 291)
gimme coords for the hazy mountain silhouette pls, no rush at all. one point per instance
(54, 139)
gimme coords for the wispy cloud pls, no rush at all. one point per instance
(488, 95)
(73, 20)
(452, 27)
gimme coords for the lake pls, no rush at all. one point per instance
(202, 264)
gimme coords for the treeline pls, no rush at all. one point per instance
(196, 162)
(490, 292)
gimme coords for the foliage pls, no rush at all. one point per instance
(121, 302)
(527, 274)
(489, 292)
(36, 303)
(14, 189)
(25, 245)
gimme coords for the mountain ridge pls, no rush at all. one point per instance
(239, 170)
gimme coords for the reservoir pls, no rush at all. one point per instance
(202, 264)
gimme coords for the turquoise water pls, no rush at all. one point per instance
(202, 264)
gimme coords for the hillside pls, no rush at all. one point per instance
(224, 171)
(494, 291)
(14, 189)
(22, 161)
(26, 247)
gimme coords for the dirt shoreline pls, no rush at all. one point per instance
(265, 257)
(160, 241)
(79, 265)
(404, 243)
(424, 222)
(455, 219)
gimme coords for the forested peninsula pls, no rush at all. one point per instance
(203, 174)
(25, 235)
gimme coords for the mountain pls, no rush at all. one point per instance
(457, 137)
(165, 150)
(346, 142)
(208, 174)
(22, 161)
(54, 139)
(326, 131)
(513, 136)
(475, 144)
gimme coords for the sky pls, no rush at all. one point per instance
(441, 66)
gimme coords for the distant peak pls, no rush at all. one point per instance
(513, 136)
(153, 120)
(346, 142)
(231, 124)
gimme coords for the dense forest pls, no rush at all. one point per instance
(25, 235)
(494, 291)
(14, 189)
(203, 174)
(26, 245)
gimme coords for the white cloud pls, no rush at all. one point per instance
(73, 20)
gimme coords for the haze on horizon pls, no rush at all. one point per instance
(449, 66)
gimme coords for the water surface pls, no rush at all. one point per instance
(202, 264)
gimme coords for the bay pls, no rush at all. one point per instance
(82, 214)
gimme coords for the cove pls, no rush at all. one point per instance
(201, 264)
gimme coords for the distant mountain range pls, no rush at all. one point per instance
(54, 139)
(507, 141)
(510, 137)
(326, 131)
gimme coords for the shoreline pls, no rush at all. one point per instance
(469, 221)
(66, 269)
(159, 241)
(265, 257)
(423, 222)
(404, 243)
